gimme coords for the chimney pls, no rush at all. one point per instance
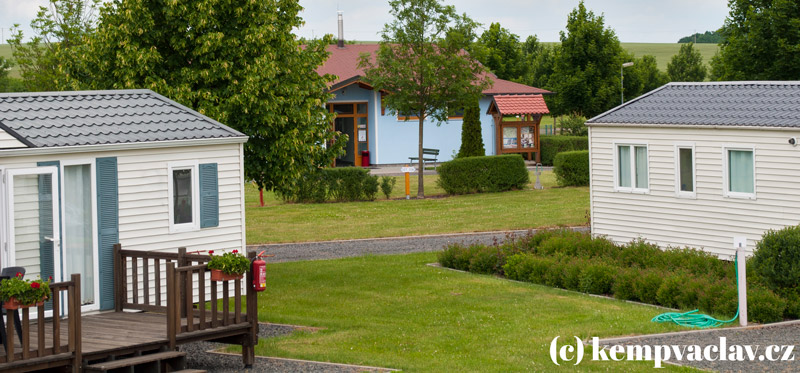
(341, 29)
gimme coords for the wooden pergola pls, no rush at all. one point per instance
(517, 119)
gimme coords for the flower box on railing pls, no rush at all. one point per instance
(18, 293)
(13, 304)
(228, 266)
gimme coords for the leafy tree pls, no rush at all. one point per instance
(7, 83)
(59, 29)
(541, 61)
(586, 71)
(644, 76)
(761, 41)
(471, 138)
(422, 64)
(500, 51)
(236, 62)
(711, 37)
(687, 65)
(574, 125)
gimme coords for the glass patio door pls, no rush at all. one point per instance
(78, 249)
(31, 221)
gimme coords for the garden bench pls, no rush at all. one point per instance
(427, 152)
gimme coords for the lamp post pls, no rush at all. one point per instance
(622, 79)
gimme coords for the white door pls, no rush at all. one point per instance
(32, 234)
(78, 252)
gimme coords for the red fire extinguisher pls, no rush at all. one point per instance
(260, 273)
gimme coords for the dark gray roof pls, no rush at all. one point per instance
(53, 119)
(758, 104)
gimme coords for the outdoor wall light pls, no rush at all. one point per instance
(793, 141)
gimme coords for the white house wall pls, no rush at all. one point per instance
(709, 221)
(7, 141)
(144, 199)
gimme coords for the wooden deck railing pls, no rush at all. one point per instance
(184, 298)
(55, 347)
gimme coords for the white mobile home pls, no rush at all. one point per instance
(697, 164)
(82, 171)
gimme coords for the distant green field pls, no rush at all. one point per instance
(663, 52)
(5, 51)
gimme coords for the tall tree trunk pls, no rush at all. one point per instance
(421, 185)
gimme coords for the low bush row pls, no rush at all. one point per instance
(572, 168)
(552, 145)
(337, 184)
(638, 271)
(497, 173)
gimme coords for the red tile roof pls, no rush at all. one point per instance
(519, 104)
(343, 62)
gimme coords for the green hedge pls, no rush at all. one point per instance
(497, 173)
(552, 145)
(637, 271)
(338, 184)
(572, 168)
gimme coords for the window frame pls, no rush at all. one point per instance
(678, 192)
(194, 166)
(632, 189)
(726, 182)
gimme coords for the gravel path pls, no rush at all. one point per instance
(782, 334)
(397, 245)
(198, 357)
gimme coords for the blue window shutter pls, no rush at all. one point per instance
(107, 226)
(209, 195)
(46, 249)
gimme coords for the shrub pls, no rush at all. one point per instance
(572, 168)
(486, 260)
(483, 174)
(574, 125)
(638, 253)
(719, 297)
(555, 275)
(596, 279)
(572, 274)
(552, 145)
(369, 187)
(624, 285)
(457, 256)
(777, 258)
(764, 306)
(387, 185)
(471, 138)
(669, 291)
(647, 286)
(520, 267)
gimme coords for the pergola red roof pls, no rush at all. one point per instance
(343, 62)
(518, 104)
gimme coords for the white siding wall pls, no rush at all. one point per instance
(8, 141)
(144, 200)
(710, 221)
(26, 224)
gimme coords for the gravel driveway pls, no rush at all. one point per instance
(758, 336)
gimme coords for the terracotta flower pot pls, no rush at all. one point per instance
(13, 304)
(218, 275)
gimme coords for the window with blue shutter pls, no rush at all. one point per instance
(107, 226)
(209, 195)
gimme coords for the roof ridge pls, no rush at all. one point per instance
(75, 93)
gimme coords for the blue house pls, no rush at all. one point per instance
(391, 139)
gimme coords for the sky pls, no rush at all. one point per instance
(643, 21)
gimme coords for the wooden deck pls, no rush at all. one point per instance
(84, 339)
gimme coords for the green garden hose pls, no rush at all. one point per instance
(694, 320)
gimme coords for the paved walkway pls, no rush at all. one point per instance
(292, 252)
(394, 169)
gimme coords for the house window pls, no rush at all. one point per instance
(740, 173)
(685, 171)
(631, 168)
(183, 197)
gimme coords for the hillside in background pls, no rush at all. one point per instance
(707, 37)
(663, 52)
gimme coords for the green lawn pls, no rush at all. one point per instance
(524, 209)
(394, 311)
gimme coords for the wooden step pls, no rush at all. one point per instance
(137, 360)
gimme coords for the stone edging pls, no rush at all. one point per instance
(365, 367)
